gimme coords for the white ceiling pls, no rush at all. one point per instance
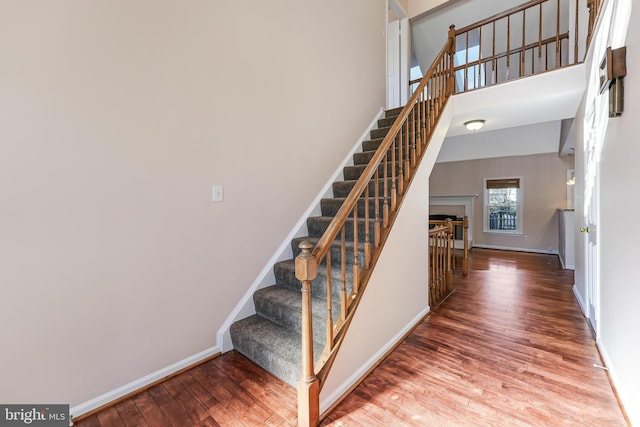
(523, 116)
(550, 96)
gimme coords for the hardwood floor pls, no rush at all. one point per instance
(509, 347)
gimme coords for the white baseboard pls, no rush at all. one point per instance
(344, 388)
(625, 398)
(245, 307)
(580, 300)
(510, 248)
(140, 383)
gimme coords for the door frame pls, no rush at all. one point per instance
(400, 57)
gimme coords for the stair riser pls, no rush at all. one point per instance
(336, 255)
(373, 144)
(318, 227)
(291, 318)
(286, 277)
(330, 207)
(382, 132)
(287, 369)
(363, 158)
(343, 188)
(353, 173)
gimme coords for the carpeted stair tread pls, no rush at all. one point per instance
(285, 273)
(283, 306)
(343, 188)
(330, 206)
(336, 250)
(354, 172)
(274, 348)
(364, 157)
(393, 112)
(318, 224)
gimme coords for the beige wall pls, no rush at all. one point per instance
(116, 120)
(544, 178)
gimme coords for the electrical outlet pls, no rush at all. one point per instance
(218, 193)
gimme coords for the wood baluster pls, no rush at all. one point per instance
(385, 198)
(479, 58)
(367, 238)
(431, 269)
(308, 385)
(376, 198)
(356, 258)
(466, 62)
(329, 321)
(436, 87)
(406, 154)
(575, 34)
(343, 275)
(394, 191)
(415, 136)
(400, 162)
(494, 71)
(465, 236)
(508, 71)
(428, 87)
(419, 126)
(439, 287)
(557, 33)
(540, 40)
(449, 254)
(522, 51)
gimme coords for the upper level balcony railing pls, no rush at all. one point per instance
(535, 37)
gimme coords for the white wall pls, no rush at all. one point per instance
(619, 177)
(116, 119)
(418, 7)
(429, 32)
(620, 293)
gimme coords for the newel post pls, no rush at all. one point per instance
(308, 385)
(452, 52)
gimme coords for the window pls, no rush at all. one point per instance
(503, 205)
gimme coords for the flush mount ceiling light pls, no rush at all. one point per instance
(474, 124)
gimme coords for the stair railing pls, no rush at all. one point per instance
(534, 36)
(441, 254)
(349, 248)
(464, 224)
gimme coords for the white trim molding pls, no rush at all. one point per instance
(140, 383)
(346, 386)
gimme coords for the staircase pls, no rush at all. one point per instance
(272, 337)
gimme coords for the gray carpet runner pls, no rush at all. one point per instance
(271, 337)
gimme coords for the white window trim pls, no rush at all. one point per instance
(520, 211)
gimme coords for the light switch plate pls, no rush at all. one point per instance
(218, 193)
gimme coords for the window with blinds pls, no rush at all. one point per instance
(503, 205)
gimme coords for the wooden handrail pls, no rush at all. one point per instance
(330, 234)
(499, 16)
(514, 51)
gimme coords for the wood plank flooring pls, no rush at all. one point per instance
(509, 347)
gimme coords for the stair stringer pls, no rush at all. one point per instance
(245, 306)
(396, 296)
